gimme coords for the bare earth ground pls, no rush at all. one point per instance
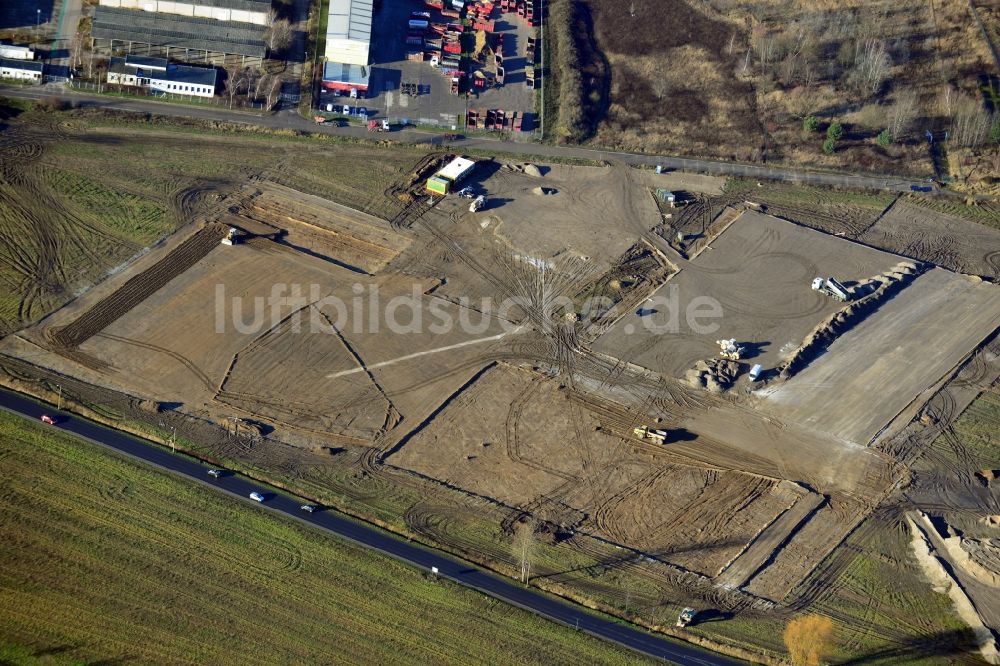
(911, 341)
(759, 271)
(739, 510)
(496, 439)
(948, 241)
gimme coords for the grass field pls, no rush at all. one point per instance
(978, 428)
(107, 560)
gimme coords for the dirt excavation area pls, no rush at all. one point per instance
(518, 437)
(880, 366)
(946, 240)
(751, 283)
(434, 370)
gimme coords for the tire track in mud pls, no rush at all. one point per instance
(195, 371)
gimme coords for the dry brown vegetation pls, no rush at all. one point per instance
(808, 639)
(734, 79)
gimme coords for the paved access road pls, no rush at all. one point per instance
(372, 537)
(291, 120)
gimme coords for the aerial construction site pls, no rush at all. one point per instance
(727, 405)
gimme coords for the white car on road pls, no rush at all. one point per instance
(256, 497)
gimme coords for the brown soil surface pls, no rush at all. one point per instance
(759, 272)
(516, 437)
(946, 240)
(909, 342)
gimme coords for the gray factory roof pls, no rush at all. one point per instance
(205, 76)
(203, 34)
(16, 63)
(246, 5)
(350, 19)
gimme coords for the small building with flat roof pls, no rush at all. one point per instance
(163, 76)
(342, 77)
(12, 52)
(457, 169)
(21, 70)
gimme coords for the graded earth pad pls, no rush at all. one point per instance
(946, 240)
(872, 372)
(315, 224)
(519, 438)
(593, 212)
(758, 272)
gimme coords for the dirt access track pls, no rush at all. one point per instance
(758, 271)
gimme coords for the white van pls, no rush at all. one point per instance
(756, 371)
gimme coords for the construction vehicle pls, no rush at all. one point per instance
(467, 193)
(831, 287)
(729, 350)
(650, 434)
(686, 617)
(232, 236)
(477, 204)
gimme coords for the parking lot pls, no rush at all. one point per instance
(435, 104)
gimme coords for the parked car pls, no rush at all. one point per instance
(256, 497)
(48, 419)
(216, 473)
(309, 508)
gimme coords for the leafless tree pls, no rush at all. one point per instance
(524, 546)
(871, 65)
(260, 83)
(252, 80)
(902, 114)
(273, 91)
(278, 36)
(76, 51)
(971, 123)
(235, 82)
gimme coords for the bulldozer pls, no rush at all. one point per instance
(729, 350)
(650, 434)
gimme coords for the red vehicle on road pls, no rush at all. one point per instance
(48, 419)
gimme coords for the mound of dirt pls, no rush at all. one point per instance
(715, 374)
(532, 170)
(866, 297)
(544, 190)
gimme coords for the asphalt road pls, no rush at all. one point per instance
(290, 119)
(372, 537)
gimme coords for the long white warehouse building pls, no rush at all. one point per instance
(349, 32)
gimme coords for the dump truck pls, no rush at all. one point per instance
(831, 287)
(650, 434)
(477, 204)
(686, 617)
(378, 125)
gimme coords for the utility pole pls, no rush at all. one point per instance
(59, 399)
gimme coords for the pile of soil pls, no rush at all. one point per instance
(866, 297)
(715, 374)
